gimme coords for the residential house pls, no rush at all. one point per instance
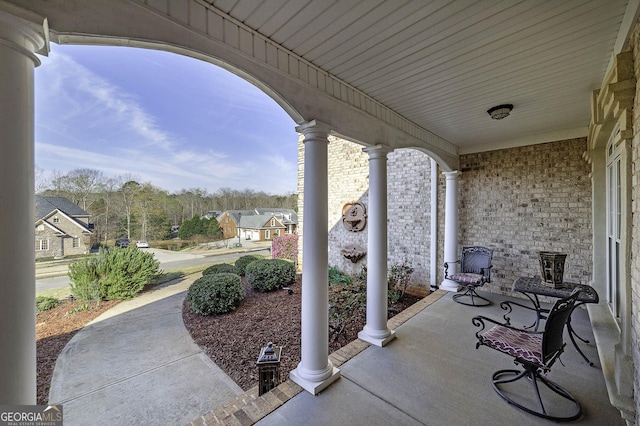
(229, 222)
(260, 224)
(61, 228)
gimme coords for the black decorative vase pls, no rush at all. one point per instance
(552, 267)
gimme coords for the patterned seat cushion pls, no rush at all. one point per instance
(518, 344)
(467, 278)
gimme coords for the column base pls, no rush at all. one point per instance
(314, 388)
(362, 335)
(449, 285)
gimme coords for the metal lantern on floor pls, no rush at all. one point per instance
(268, 368)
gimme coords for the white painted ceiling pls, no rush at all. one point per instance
(443, 64)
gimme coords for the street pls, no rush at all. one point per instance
(168, 260)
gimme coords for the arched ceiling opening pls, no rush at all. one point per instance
(305, 91)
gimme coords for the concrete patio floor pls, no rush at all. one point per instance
(431, 374)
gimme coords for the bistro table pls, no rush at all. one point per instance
(532, 287)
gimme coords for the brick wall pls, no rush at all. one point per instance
(539, 198)
(408, 174)
(523, 200)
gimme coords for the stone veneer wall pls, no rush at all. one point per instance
(635, 226)
(522, 200)
(408, 192)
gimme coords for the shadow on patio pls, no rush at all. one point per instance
(430, 374)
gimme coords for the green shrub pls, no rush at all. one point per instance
(220, 269)
(347, 304)
(44, 303)
(270, 274)
(117, 273)
(242, 263)
(338, 277)
(215, 294)
(398, 279)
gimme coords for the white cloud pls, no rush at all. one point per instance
(85, 119)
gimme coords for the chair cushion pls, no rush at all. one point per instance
(467, 278)
(518, 344)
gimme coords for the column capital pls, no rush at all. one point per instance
(314, 126)
(452, 174)
(377, 151)
(24, 31)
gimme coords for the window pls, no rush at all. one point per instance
(56, 220)
(614, 211)
(267, 234)
(75, 243)
(273, 221)
(42, 245)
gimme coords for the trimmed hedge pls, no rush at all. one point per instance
(221, 268)
(242, 263)
(270, 274)
(215, 294)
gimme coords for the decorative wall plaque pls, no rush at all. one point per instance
(354, 216)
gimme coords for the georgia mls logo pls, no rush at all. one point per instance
(31, 415)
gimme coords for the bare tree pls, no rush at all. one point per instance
(108, 189)
(41, 180)
(78, 185)
(129, 191)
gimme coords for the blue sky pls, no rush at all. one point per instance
(167, 119)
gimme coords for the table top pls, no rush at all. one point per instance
(534, 285)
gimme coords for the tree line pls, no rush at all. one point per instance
(123, 207)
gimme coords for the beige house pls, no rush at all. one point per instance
(61, 228)
(411, 83)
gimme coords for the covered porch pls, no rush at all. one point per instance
(430, 374)
(420, 76)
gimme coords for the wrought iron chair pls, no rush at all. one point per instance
(475, 271)
(535, 352)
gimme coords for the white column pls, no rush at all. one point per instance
(451, 228)
(20, 37)
(315, 372)
(375, 330)
(433, 258)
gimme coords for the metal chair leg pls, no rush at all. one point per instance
(533, 376)
(471, 293)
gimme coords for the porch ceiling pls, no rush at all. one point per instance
(443, 64)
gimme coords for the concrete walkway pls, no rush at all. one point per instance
(137, 364)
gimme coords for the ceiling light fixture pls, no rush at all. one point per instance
(501, 111)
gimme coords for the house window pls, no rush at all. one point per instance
(614, 211)
(75, 243)
(273, 222)
(267, 234)
(42, 245)
(277, 232)
(56, 220)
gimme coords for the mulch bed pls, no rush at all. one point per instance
(54, 329)
(233, 341)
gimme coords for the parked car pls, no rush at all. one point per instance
(142, 244)
(123, 242)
